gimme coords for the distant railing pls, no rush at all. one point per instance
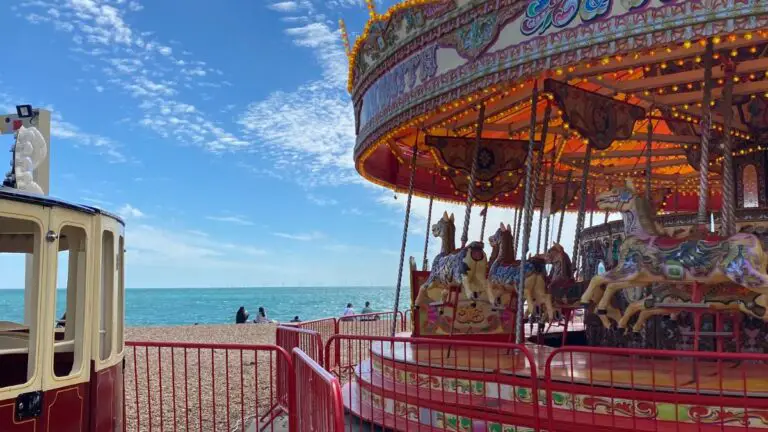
(326, 327)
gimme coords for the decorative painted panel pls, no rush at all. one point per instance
(548, 34)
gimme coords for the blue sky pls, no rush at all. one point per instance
(221, 131)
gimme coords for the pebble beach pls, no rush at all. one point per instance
(186, 388)
(179, 382)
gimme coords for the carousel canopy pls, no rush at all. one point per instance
(625, 80)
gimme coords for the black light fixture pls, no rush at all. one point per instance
(24, 111)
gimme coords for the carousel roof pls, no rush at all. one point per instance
(638, 81)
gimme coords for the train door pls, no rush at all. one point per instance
(107, 343)
(66, 324)
(23, 254)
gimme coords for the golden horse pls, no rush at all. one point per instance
(647, 257)
(721, 297)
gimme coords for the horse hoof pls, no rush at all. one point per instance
(602, 312)
(442, 312)
(473, 304)
(475, 295)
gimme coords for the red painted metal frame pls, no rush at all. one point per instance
(371, 324)
(515, 412)
(182, 358)
(327, 327)
(318, 404)
(619, 359)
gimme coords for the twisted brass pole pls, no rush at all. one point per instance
(405, 235)
(706, 124)
(473, 176)
(528, 209)
(729, 192)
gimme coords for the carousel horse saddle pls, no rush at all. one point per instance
(569, 290)
(665, 242)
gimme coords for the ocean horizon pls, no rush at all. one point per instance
(188, 306)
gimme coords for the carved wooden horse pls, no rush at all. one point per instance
(504, 275)
(718, 298)
(646, 257)
(564, 290)
(466, 267)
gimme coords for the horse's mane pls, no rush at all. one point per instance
(567, 265)
(646, 215)
(506, 247)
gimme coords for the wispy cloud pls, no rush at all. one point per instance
(128, 211)
(284, 6)
(301, 236)
(237, 220)
(140, 65)
(65, 130)
(352, 211)
(321, 201)
(279, 123)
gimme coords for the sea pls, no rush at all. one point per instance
(181, 306)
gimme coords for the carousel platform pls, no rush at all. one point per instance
(416, 387)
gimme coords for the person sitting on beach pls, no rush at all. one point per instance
(296, 319)
(261, 317)
(367, 310)
(242, 316)
(349, 311)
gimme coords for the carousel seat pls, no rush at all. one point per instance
(666, 242)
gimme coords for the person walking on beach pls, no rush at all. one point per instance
(261, 317)
(242, 316)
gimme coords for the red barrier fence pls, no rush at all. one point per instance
(413, 383)
(308, 341)
(653, 390)
(319, 407)
(201, 387)
(408, 321)
(326, 327)
(372, 324)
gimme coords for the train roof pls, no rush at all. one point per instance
(47, 201)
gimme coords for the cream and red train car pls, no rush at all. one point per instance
(60, 373)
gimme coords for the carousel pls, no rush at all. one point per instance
(654, 110)
(60, 372)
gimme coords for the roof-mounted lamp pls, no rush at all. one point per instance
(28, 152)
(25, 111)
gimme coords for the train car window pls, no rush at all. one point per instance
(107, 294)
(70, 300)
(21, 246)
(120, 323)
